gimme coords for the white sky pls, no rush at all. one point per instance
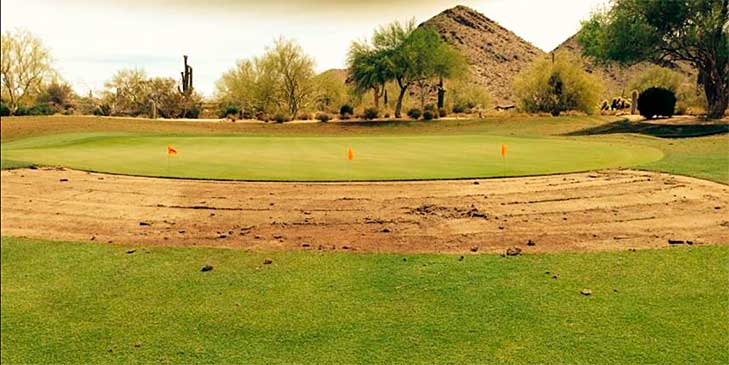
(90, 40)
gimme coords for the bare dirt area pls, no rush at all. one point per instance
(606, 210)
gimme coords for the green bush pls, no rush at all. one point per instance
(459, 108)
(346, 109)
(281, 118)
(558, 86)
(228, 110)
(656, 101)
(371, 113)
(41, 109)
(414, 113)
(4, 110)
(428, 115)
(323, 117)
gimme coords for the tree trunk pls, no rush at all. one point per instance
(422, 95)
(398, 106)
(376, 92)
(717, 96)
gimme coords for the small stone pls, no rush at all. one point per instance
(531, 243)
(555, 276)
(143, 223)
(222, 236)
(63, 180)
(404, 259)
(386, 230)
(476, 183)
(278, 236)
(501, 227)
(267, 262)
(93, 238)
(513, 251)
(676, 242)
(305, 245)
(345, 247)
(460, 258)
(131, 251)
(586, 292)
(138, 345)
(717, 207)
(206, 268)
(474, 249)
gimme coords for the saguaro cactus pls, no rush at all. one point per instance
(186, 79)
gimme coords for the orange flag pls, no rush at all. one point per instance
(350, 154)
(503, 150)
(171, 151)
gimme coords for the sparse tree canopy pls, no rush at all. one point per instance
(25, 68)
(131, 92)
(557, 86)
(281, 79)
(695, 31)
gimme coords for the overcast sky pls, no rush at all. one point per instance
(91, 39)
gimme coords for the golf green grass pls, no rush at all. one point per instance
(323, 158)
(93, 303)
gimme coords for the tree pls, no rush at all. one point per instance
(295, 70)
(396, 56)
(367, 68)
(694, 31)
(25, 67)
(557, 86)
(127, 92)
(331, 91)
(59, 95)
(281, 78)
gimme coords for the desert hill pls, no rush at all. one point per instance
(495, 54)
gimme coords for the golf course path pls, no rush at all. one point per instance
(594, 211)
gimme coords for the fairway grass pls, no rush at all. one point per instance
(324, 158)
(94, 303)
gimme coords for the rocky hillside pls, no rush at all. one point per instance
(617, 79)
(495, 54)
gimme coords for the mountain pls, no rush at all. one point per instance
(495, 54)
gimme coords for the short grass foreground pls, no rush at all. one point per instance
(91, 303)
(325, 157)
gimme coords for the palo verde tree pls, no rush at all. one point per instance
(368, 68)
(25, 68)
(404, 54)
(694, 31)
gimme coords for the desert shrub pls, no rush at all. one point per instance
(40, 109)
(193, 112)
(554, 87)
(656, 101)
(228, 110)
(387, 114)
(430, 107)
(414, 113)
(303, 116)
(428, 115)
(442, 112)
(281, 117)
(371, 113)
(345, 116)
(4, 110)
(346, 109)
(323, 117)
(465, 95)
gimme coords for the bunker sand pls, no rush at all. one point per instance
(596, 211)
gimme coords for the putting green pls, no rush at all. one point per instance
(324, 158)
